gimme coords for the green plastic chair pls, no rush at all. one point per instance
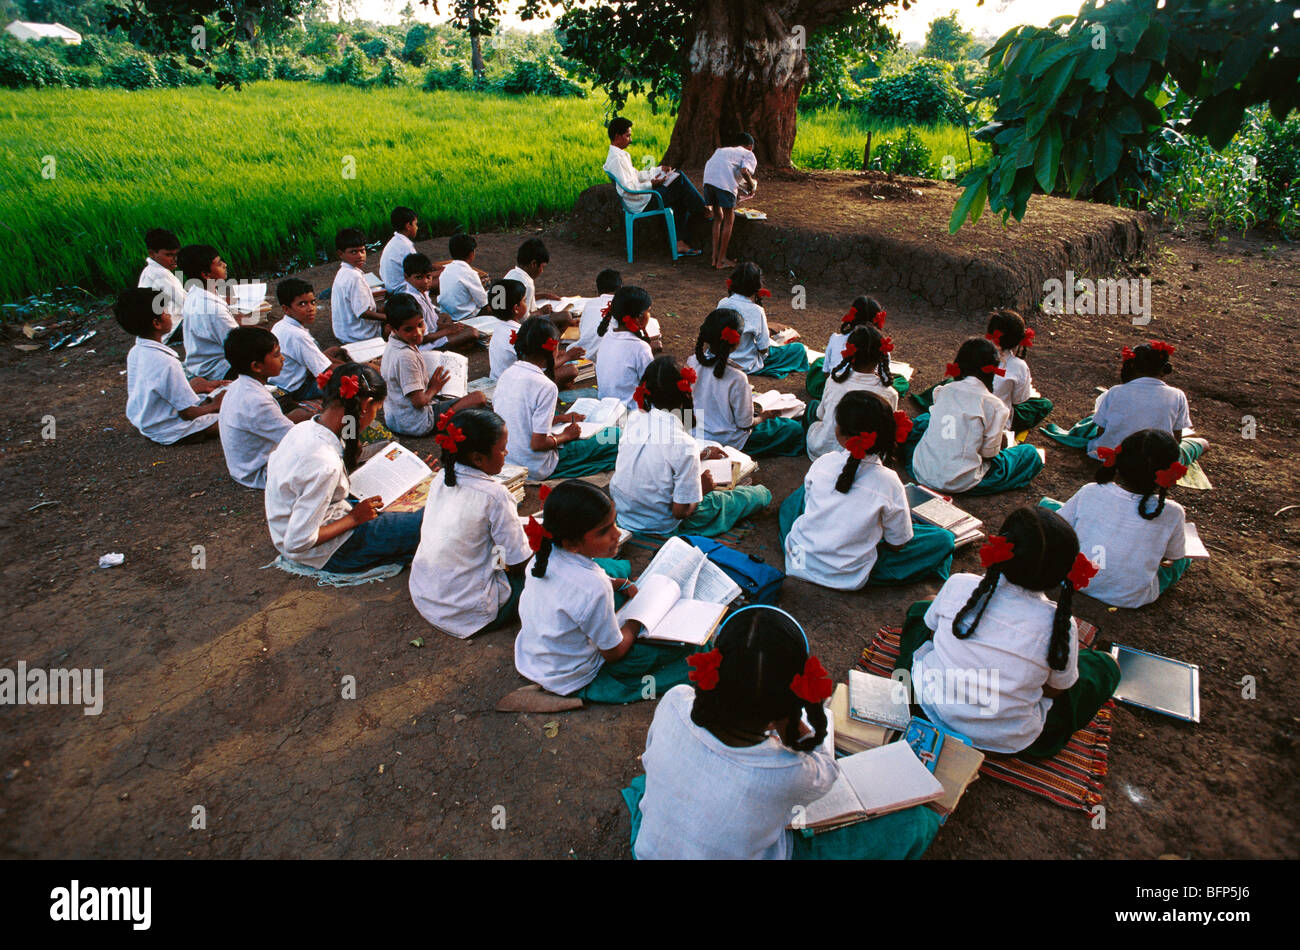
(630, 217)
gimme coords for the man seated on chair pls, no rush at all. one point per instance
(679, 193)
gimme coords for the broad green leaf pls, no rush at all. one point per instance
(1131, 75)
(1107, 153)
(977, 205)
(1048, 157)
(1237, 60)
(1154, 43)
(1126, 120)
(1218, 117)
(962, 207)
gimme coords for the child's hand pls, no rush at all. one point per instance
(712, 453)
(439, 379)
(572, 353)
(576, 417)
(433, 463)
(367, 509)
(572, 432)
(706, 481)
(627, 587)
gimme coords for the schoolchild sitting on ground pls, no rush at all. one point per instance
(304, 360)
(421, 276)
(406, 224)
(1035, 688)
(413, 405)
(526, 398)
(961, 443)
(755, 353)
(863, 312)
(163, 249)
(310, 519)
(353, 311)
(160, 402)
(530, 260)
(1128, 516)
(252, 422)
(624, 348)
(569, 641)
(724, 399)
(863, 366)
(508, 301)
(593, 311)
(206, 315)
(849, 524)
(659, 483)
(461, 294)
(729, 762)
(468, 571)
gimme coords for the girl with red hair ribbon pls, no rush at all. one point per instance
(865, 311)
(755, 353)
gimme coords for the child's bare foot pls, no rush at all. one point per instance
(725, 264)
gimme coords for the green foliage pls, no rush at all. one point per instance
(90, 51)
(456, 77)
(417, 48)
(349, 71)
(539, 78)
(375, 48)
(926, 92)
(391, 73)
(133, 72)
(293, 68)
(946, 40)
(906, 155)
(28, 65)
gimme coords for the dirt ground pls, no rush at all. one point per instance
(223, 684)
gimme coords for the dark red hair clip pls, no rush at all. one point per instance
(550, 345)
(349, 387)
(1028, 340)
(763, 292)
(995, 336)
(1160, 346)
(630, 322)
(730, 336)
(513, 337)
(848, 352)
(902, 427)
(445, 418)
(543, 491)
(859, 444)
(1082, 573)
(1107, 456)
(705, 672)
(850, 316)
(1126, 354)
(687, 381)
(953, 370)
(1168, 477)
(879, 319)
(995, 370)
(450, 438)
(996, 550)
(814, 684)
(323, 379)
(640, 395)
(535, 533)
(887, 345)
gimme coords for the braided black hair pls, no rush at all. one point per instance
(975, 354)
(746, 280)
(504, 297)
(1044, 549)
(530, 342)
(864, 313)
(762, 652)
(370, 384)
(482, 429)
(661, 379)
(710, 339)
(628, 301)
(1141, 455)
(1009, 327)
(573, 508)
(857, 413)
(868, 342)
(1146, 361)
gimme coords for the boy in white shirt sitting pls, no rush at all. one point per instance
(163, 248)
(160, 402)
(252, 422)
(530, 260)
(724, 169)
(304, 360)
(421, 276)
(354, 313)
(607, 284)
(412, 404)
(405, 225)
(461, 294)
(207, 316)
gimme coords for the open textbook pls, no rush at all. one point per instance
(666, 614)
(932, 508)
(390, 474)
(695, 575)
(786, 405)
(731, 471)
(457, 367)
(878, 781)
(599, 413)
(363, 351)
(564, 303)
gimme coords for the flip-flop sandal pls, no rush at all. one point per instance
(689, 253)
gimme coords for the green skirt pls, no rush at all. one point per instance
(776, 437)
(646, 671)
(783, 360)
(720, 511)
(589, 456)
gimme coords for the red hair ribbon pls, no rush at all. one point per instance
(887, 345)
(349, 387)
(705, 672)
(996, 550)
(640, 395)
(902, 427)
(513, 336)
(687, 381)
(995, 336)
(450, 438)
(604, 311)
(1168, 477)
(1082, 573)
(814, 684)
(323, 379)
(879, 319)
(1160, 346)
(1028, 340)
(630, 323)
(850, 316)
(728, 283)
(1107, 456)
(730, 336)
(535, 533)
(860, 443)
(953, 370)
(1126, 354)
(764, 292)
(549, 345)
(445, 418)
(995, 370)
(848, 352)
(543, 491)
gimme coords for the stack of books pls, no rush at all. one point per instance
(586, 370)
(513, 477)
(785, 405)
(932, 508)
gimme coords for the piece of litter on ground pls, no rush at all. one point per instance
(112, 560)
(381, 768)
(418, 642)
(1134, 795)
(26, 347)
(196, 494)
(42, 504)
(551, 729)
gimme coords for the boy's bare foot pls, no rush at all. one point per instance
(725, 264)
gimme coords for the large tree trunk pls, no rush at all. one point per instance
(745, 68)
(476, 56)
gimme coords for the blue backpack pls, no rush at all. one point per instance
(759, 583)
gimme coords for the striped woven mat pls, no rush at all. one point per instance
(1072, 778)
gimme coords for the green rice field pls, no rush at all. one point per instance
(275, 169)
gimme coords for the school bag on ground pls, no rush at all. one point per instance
(759, 582)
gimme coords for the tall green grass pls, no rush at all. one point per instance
(834, 138)
(260, 172)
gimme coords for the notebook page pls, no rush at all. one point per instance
(653, 601)
(890, 777)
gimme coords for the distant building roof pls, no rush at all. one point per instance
(43, 31)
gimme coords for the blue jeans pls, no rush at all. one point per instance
(684, 199)
(389, 539)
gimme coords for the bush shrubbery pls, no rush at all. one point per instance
(31, 65)
(926, 92)
(134, 72)
(906, 155)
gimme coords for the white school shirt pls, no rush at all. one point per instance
(530, 289)
(722, 170)
(565, 619)
(589, 323)
(834, 351)
(958, 464)
(833, 543)
(157, 390)
(753, 336)
(461, 294)
(526, 400)
(457, 581)
(707, 800)
(724, 408)
(821, 434)
(306, 487)
(208, 321)
(1142, 403)
(156, 277)
(349, 298)
(429, 310)
(623, 359)
(404, 372)
(1129, 548)
(252, 425)
(501, 352)
(658, 464)
(1017, 385)
(391, 272)
(619, 164)
(303, 357)
(953, 680)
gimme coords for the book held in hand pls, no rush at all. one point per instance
(456, 365)
(599, 414)
(785, 405)
(729, 472)
(666, 614)
(364, 351)
(390, 474)
(696, 576)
